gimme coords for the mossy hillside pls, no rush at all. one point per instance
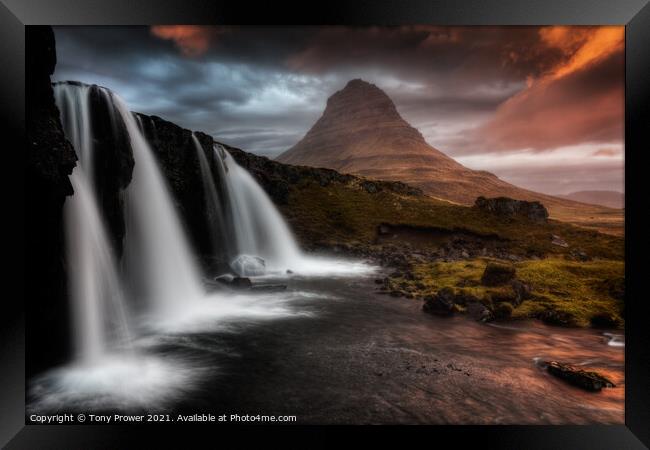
(346, 213)
(577, 290)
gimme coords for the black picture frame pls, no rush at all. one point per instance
(634, 14)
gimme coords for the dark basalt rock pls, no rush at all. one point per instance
(441, 304)
(587, 380)
(521, 290)
(269, 287)
(604, 320)
(276, 178)
(49, 160)
(507, 207)
(234, 281)
(561, 318)
(496, 274)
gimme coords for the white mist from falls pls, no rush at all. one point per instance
(96, 293)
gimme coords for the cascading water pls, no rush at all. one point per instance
(260, 230)
(156, 250)
(213, 205)
(95, 288)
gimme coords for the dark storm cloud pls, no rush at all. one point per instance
(262, 88)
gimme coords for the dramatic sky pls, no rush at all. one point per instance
(541, 107)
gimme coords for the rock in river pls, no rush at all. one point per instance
(248, 266)
(441, 304)
(587, 380)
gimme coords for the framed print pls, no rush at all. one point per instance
(238, 217)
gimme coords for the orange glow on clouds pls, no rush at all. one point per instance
(585, 45)
(559, 107)
(192, 40)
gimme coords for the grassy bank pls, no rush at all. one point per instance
(345, 213)
(578, 293)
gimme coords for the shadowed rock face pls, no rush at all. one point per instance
(508, 207)
(50, 158)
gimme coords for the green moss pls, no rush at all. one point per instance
(346, 213)
(572, 289)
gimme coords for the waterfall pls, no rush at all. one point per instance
(157, 252)
(95, 289)
(157, 262)
(260, 230)
(213, 205)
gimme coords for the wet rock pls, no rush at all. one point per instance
(289, 272)
(587, 380)
(603, 320)
(507, 207)
(268, 287)
(441, 304)
(247, 265)
(557, 240)
(234, 281)
(241, 282)
(503, 310)
(496, 274)
(556, 318)
(521, 290)
(480, 312)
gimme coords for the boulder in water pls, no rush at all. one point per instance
(234, 281)
(587, 380)
(248, 266)
(442, 304)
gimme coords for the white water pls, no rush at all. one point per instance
(95, 289)
(157, 251)
(260, 229)
(212, 203)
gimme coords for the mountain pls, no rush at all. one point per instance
(611, 199)
(362, 133)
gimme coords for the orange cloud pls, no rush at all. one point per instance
(192, 40)
(609, 152)
(579, 99)
(584, 45)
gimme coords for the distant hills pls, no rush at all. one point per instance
(361, 132)
(611, 199)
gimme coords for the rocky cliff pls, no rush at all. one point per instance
(49, 160)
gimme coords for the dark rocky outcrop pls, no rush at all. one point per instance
(49, 160)
(276, 178)
(496, 274)
(509, 208)
(587, 380)
(441, 304)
